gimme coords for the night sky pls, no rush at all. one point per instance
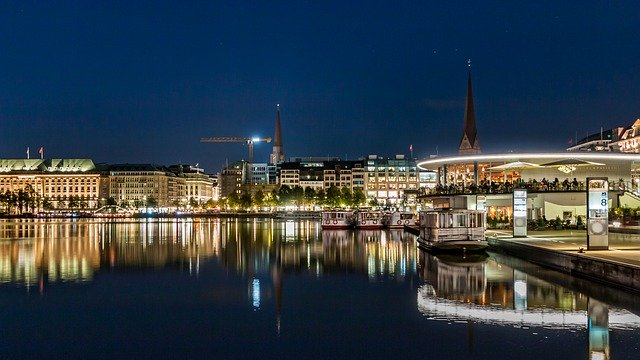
(134, 81)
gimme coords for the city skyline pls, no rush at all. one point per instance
(142, 83)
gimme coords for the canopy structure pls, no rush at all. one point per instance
(569, 165)
(571, 162)
(515, 166)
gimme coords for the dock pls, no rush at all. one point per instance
(566, 251)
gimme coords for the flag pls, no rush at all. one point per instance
(41, 152)
(27, 152)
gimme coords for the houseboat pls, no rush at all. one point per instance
(399, 219)
(370, 219)
(337, 219)
(453, 230)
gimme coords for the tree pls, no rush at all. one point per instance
(358, 197)
(346, 198)
(272, 198)
(258, 198)
(321, 197)
(193, 202)
(245, 200)
(310, 196)
(284, 195)
(233, 200)
(111, 201)
(297, 195)
(333, 196)
(73, 201)
(46, 204)
(152, 202)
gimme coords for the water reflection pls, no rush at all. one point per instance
(33, 252)
(479, 289)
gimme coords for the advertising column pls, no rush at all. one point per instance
(519, 213)
(597, 213)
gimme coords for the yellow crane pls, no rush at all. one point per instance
(248, 141)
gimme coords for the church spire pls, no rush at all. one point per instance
(469, 143)
(277, 155)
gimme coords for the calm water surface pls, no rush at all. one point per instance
(273, 289)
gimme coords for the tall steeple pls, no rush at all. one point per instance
(277, 155)
(469, 143)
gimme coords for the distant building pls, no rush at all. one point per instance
(197, 185)
(138, 184)
(397, 180)
(55, 180)
(277, 155)
(469, 143)
(607, 140)
(232, 178)
(344, 173)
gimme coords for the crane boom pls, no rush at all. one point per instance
(248, 141)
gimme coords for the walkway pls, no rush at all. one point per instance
(566, 251)
(623, 248)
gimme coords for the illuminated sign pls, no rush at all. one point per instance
(519, 212)
(597, 213)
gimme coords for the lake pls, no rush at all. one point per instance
(262, 288)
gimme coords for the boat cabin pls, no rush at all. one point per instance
(452, 224)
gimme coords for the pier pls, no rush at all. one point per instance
(565, 251)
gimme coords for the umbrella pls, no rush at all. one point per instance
(514, 166)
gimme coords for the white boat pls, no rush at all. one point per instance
(337, 219)
(401, 219)
(453, 230)
(370, 219)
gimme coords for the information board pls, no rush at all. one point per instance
(519, 213)
(597, 213)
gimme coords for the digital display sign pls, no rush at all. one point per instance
(597, 213)
(519, 212)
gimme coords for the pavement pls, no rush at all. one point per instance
(623, 247)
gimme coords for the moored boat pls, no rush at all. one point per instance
(337, 219)
(370, 219)
(401, 219)
(453, 230)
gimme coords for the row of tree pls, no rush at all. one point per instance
(296, 196)
(28, 200)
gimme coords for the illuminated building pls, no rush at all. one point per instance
(138, 184)
(54, 180)
(396, 180)
(197, 185)
(494, 176)
(348, 174)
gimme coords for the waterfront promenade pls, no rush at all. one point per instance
(566, 251)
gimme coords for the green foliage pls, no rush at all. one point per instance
(258, 198)
(333, 196)
(284, 195)
(358, 198)
(245, 200)
(346, 197)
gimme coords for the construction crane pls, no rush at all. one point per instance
(248, 141)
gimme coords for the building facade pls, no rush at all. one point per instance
(55, 183)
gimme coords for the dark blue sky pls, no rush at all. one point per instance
(135, 81)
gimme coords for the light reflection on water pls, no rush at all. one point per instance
(483, 290)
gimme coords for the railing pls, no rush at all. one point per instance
(530, 186)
